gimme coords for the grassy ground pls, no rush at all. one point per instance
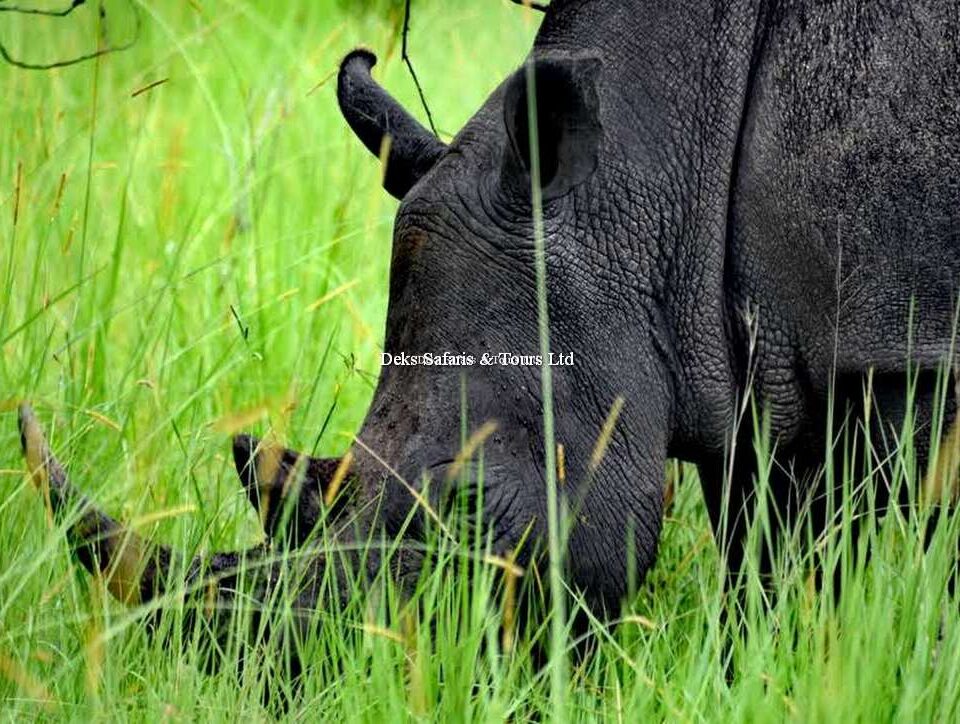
(211, 255)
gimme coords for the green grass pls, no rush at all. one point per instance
(212, 254)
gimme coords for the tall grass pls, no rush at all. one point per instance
(555, 524)
(233, 276)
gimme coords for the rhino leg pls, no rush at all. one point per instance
(290, 491)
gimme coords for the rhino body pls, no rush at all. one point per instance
(744, 203)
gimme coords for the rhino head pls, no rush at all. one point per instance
(463, 282)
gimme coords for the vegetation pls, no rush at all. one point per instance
(191, 245)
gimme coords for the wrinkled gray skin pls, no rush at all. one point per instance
(785, 173)
(735, 191)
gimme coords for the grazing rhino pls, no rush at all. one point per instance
(740, 197)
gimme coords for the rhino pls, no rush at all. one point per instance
(745, 205)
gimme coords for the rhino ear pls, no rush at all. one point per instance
(407, 149)
(568, 122)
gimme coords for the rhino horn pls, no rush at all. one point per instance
(289, 490)
(383, 125)
(132, 567)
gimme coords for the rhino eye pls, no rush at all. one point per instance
(406, 250)
(410, 242)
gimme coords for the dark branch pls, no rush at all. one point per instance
(540, 7)
(39, 11)
(5, 54)
(406, 59)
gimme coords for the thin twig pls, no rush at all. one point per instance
(148, 87)
(413, 73)
(5, 54)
